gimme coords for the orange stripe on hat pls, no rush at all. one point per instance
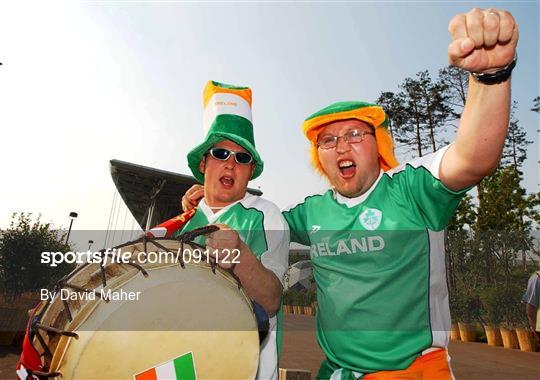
(213, 87)
(372, 114)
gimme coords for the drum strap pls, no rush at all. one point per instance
(262, 321)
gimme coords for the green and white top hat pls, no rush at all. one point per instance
(227, 116)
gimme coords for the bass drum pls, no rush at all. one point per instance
(167, 319)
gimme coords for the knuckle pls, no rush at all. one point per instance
(474, 23)
(507, 21)
(491, 23)
(455, 22)
(505, 14)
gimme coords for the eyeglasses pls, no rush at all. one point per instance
(353, 136)
(223, 154)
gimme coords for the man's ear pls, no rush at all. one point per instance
(202, 164)
(253, 166)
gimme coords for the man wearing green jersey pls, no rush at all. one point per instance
(253, 239)
(376, 237)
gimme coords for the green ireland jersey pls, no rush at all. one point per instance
(378, 262)
(262, 227)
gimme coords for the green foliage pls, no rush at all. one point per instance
(394, 105)
(287, 297)
(513, 311)
(536, 104)
(419, 111)
(465, 304)
(515, 145)
(465, 215)
(456, 82)
(488, 263)
(21, 245)
(493, 305)
(488, 239)
(502, 229)
(297, 255)
(503, 202)
(299, 297)
(532, 211)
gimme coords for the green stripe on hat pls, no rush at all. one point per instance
(228, 86)
(341, 107)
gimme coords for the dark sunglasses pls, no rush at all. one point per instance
(223, 154)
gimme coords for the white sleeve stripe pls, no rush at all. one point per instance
(431, 162)
(276, 232)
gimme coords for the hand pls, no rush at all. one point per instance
(192, 197)
(484, 40)
(224, 245)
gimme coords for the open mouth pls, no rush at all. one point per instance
(227, 182)
(347, 168)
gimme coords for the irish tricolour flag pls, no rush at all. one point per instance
(181, 368)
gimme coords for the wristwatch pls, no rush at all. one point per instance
(498, 76)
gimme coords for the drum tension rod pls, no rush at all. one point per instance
(43, 374)
(38, 326)
(46, 349)
(166, 250)
(190, 236)
(66, 309)
(103, 274)
(210, 260)
(182, 264)
(144, 238)
(133, 264)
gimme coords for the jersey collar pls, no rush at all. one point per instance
(211, 215)
(351, 202)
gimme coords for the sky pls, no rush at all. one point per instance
(82, 83)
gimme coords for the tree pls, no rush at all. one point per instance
(533, 212)
(465, 215)
(456, 81)
(536, 104)
(458, 242)
(501, 231)
(420, 112)
(394, 107)
(21, 246)
(515, 145)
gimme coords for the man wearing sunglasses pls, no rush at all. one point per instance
(376, 236)
(253, 237)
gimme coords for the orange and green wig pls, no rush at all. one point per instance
(372, 114)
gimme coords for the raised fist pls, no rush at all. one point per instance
(483, 40)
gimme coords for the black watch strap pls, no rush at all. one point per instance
(498, 76)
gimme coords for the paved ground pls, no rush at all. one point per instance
(8, 360)
(470, 361)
